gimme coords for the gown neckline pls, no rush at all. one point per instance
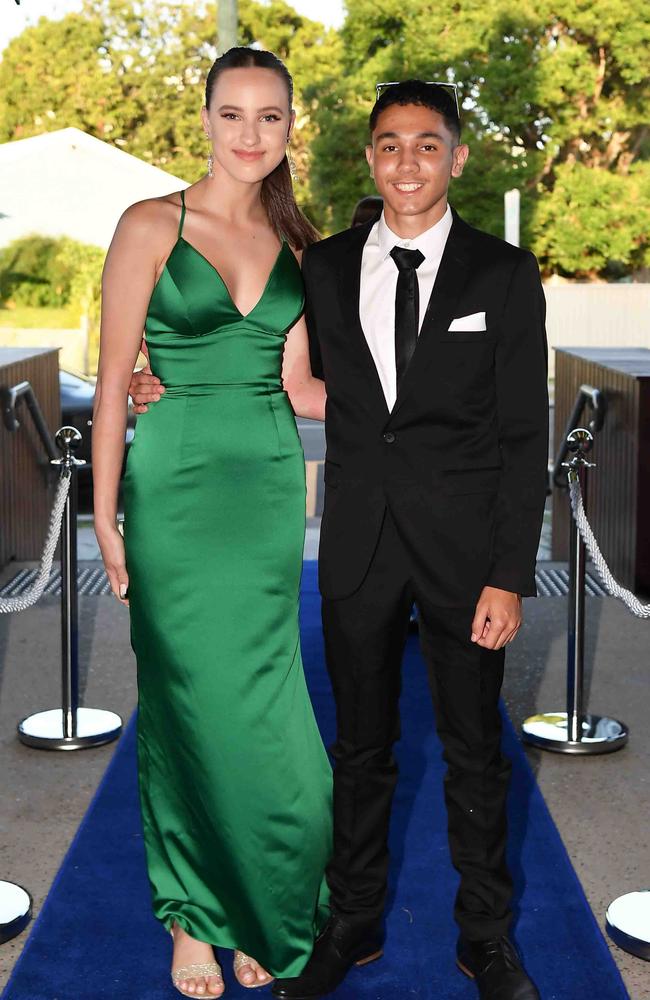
(181, 239)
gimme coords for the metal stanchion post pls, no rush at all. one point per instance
(576, 630)
(69, 727)
(15, 910)
(576, 731)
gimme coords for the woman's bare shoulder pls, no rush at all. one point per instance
(152, 219)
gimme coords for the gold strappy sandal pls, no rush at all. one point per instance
(195, 971)
(239, 961)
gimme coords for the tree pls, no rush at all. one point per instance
(578, 108)
(25, 267)
(132, 74)
(541, 91)
(43, 271)
(594, 221)
(110, 71)
(555, 102)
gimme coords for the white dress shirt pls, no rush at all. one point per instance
(379, 285)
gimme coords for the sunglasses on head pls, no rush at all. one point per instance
(451, 88)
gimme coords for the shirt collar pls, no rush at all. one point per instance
(431, 243)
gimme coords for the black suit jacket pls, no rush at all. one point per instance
(461, 459)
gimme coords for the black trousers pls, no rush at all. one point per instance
(365, 636)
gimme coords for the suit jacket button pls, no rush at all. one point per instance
(389, 437)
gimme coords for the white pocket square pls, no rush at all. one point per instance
(474, 323)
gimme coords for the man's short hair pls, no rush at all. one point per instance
(428, 95)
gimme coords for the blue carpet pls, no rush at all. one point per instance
(95, 938)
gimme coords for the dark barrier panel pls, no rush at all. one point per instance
(26, 482)
(618, 504)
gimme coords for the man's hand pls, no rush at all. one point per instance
(145, 387)
(497, 618)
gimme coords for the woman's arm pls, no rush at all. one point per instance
(306, 393)
(128, 280)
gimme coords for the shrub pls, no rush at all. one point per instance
(43, 271)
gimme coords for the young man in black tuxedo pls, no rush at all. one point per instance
(430, 337)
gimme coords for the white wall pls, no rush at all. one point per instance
(73, 344)
(593, 315)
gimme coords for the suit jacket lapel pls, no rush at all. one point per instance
(449, 284)
(349, 290)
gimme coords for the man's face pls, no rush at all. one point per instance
(413, 156)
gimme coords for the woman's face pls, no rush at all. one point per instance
(249, 122)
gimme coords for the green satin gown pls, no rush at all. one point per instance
(235, 785)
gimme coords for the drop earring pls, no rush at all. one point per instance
(210, 159)
(293, 169)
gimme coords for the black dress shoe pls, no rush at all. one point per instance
(341, 945)
(496, 968)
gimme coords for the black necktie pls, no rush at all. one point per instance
(407, 307)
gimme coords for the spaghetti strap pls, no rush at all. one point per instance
(182, 219)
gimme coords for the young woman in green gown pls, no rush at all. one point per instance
(234, 781)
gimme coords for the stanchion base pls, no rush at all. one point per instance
(15, 910)
(44, 730)
(628, 923)
(599, 734)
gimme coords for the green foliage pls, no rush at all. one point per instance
(598, 211)
(39, 271)
(555, 102)
(25, 267)
(133, 74)
(82, 266)
(541, 87)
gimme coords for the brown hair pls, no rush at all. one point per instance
(277, 189)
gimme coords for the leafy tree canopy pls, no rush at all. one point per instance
(555, 102)
(133, 74)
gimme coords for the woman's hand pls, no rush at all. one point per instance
(111, 545)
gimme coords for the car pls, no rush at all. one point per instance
(77, 393)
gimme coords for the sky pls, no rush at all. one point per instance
(14, 18)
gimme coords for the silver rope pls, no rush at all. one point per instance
(614, 589)
(31, 596)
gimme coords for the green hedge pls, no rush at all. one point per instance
(42, 271)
